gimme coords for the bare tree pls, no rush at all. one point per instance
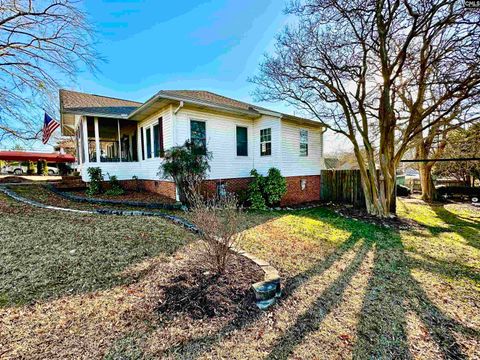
(219, 222)
(41, 42)
(432, 143)
(379, 72)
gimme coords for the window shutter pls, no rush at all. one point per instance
(160, 136)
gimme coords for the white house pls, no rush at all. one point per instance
(127, 138)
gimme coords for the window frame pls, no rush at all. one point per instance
(148, 136)
(236, 140)
(206, 137)
(303, 143)
(266, 142)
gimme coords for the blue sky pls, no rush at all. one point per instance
(149, 45)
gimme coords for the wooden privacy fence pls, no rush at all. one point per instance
(342, 186)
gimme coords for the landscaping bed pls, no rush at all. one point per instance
(128, 196)
(46, 196)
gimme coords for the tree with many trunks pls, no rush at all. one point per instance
(379, 72)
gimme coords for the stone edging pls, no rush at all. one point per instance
(266, 291)
(112, 202)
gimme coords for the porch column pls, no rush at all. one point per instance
(97, 139)
(85, 139)
(119, 142)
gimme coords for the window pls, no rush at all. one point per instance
(303, 142)
(198, 136)
(156, 142)
(149, 142)
(161, 151)
(266, 142)
(142, 142)
(242, 141)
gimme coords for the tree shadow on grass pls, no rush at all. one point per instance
(391, 292)
(469, 230)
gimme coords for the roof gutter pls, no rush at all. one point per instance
(194, 102)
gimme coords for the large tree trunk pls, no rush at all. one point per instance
(426, 182)
(379, 189)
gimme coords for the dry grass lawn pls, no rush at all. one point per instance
(351, 289)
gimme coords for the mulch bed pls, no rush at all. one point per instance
(361, 214)
(198, 293)
(13, 179)
(139, 196)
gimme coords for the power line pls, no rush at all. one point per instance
(451, 159)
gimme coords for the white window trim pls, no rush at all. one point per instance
(248, 141)
(271, 142)
(300, 142)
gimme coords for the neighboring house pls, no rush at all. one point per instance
(127, 139)
(331, 163)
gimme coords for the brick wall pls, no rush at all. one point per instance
(209, 187)
(165, 188)
(295, 194)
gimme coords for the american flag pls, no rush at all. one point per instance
(49, 126)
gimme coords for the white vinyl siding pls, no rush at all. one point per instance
(294, 164)
(221, 132)
(221, 141)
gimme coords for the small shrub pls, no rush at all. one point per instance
(403, 191)
(266, 191)
(255, 194)
(187, 166)
(219, 222)
(275, 186)
(31, 168)
(115, 187)
(95, 184)
(40, 165)
(64, 169)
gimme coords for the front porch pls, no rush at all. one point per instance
(110, 144)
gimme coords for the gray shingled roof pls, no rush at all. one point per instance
(76, 102)
(81, 103)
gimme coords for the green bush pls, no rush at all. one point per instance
(275, 186)
(31, 168)
(64, 169)
(266, 191)
(187, 166)
(255, 193)
(95, 184)
(42, 168)
(115, 187)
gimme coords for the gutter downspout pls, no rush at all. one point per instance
(179, 107)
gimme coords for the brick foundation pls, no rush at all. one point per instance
(165, 188)
(295, 194)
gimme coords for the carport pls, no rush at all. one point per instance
(28, 156)
(36, 156)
